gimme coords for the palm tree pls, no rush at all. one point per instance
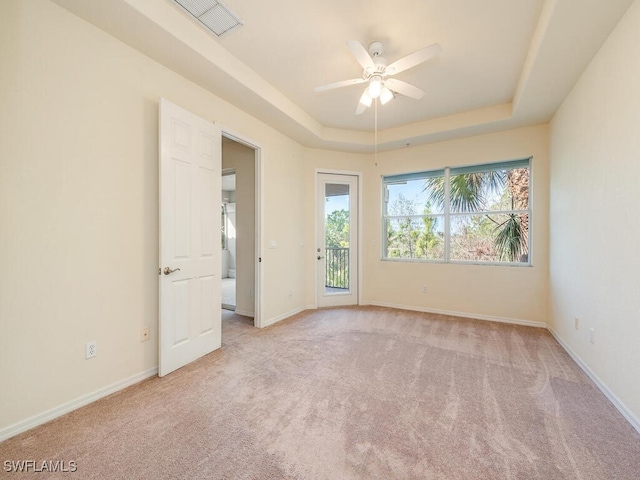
(470, 193)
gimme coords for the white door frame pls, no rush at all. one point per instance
(331, 171)
(259, 193)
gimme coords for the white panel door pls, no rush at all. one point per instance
(337, 243)
(190, 250)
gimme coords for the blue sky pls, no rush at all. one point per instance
(340, 202)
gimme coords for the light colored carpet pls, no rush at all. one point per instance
(353, 393)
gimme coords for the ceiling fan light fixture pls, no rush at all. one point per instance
(375, 86)
(377, 73)
(366, 99)
(385, 95)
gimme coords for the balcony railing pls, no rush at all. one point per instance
(337, 268)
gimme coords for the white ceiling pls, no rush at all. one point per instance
(504, 64)
(306, 47)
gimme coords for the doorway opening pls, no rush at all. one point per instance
(240, 233)
(228, 225)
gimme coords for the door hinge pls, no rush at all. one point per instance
(259, 259)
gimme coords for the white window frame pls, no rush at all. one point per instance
(447, 214)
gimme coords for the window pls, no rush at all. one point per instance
(475, 214)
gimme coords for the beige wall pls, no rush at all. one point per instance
(332, 162)
(79, 206)
(492, 292)
(242, 159)
(498, 292)
(594, 261)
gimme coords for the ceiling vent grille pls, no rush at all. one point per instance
(213, 14)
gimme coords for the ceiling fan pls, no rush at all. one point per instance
(376, 72)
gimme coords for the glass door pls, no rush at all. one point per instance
(336, 249)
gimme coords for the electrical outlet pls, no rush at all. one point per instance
(291, 292)
(91, 349)
(144, 334)
(592, 332)
(576, 323)
(251, 292)
(424, 289)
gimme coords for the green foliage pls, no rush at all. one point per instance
(478, 231)
(336, 238)
(428, 241)
(337, 229)
(485, 237)
(409, 237)
(468, 192)
(511, 239)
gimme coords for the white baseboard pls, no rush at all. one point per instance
(622, 408)
(47, 416)
(244, 313)
(515, 321)
(291, 313)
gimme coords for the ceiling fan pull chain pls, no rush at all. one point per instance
(375, 133)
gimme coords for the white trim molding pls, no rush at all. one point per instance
(286, 315)
(489, 318)
(65, 408)
(620, 406)
(360, 241)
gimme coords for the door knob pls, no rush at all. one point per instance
(168, 271)
(320, 258)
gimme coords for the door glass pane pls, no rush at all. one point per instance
(336, 228)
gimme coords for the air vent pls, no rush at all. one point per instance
(213, 14)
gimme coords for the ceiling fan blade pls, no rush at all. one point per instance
(361, 55)
(403, 87)
(413, 59)
(361, 108)
(344, 83)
